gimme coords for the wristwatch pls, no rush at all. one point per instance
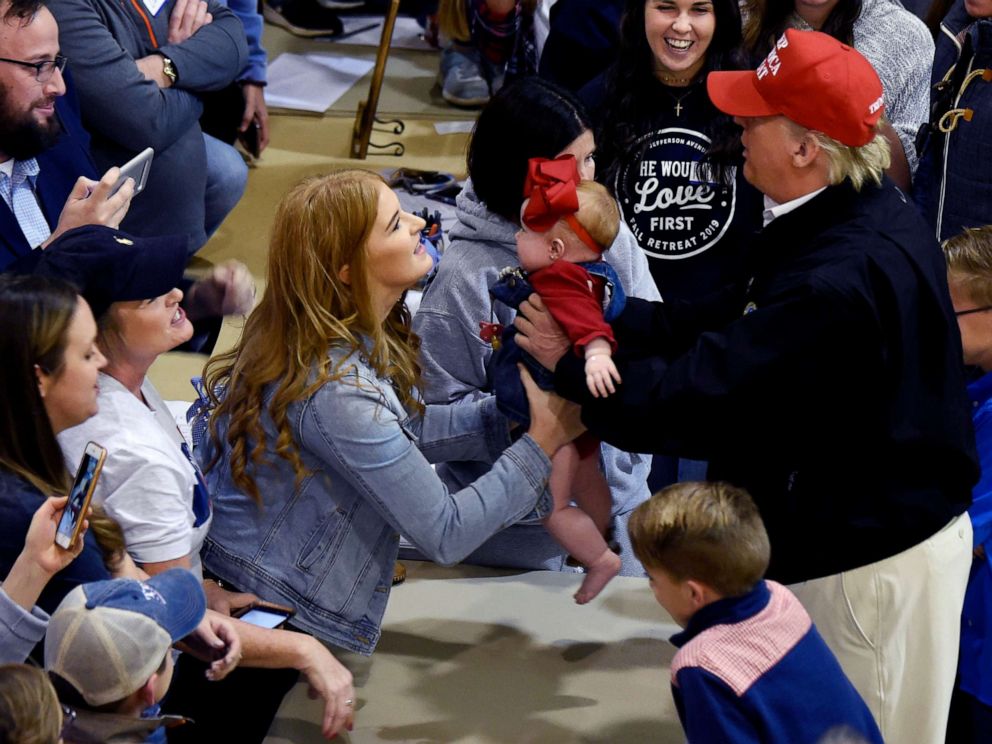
(169, 70)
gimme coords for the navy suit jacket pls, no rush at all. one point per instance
(60, 166)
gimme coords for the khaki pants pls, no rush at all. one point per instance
(895, 628)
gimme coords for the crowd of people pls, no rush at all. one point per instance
(703, 263)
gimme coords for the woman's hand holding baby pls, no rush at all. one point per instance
(554, 421)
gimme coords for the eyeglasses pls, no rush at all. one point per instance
(969, 311)
(44, 70)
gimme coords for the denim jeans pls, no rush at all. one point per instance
(227, 175)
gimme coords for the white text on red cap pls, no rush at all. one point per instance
(772, 62)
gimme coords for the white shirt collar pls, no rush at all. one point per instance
(774, 210)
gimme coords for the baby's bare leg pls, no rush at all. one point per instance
(573, 528)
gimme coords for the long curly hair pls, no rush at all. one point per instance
(321, 226)
(631, 82)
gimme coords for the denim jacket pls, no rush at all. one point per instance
(328, 546)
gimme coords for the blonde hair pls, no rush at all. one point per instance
(321, 226)
(708, 531)
(598, 213)
(969, 262)
(856, 164)
(30, 712)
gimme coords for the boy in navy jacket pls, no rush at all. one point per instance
(751, 666)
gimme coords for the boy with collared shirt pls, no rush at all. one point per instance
(751, 665)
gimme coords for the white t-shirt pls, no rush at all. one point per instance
(147, 483)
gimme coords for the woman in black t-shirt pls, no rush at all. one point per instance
(668, 155)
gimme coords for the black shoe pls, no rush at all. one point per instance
(303, 18)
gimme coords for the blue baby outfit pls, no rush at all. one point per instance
(512, 288)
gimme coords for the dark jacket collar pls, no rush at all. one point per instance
(790, 236)
(726, 611)
(87, 727)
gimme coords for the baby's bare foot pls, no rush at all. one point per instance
(598, 575)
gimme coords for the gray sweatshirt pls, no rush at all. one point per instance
(20, 630)
(900, 48)
(454, 359)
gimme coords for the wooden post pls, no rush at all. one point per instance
(365, 116)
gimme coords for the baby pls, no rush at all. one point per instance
(566, 227)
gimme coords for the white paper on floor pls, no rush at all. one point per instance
(312, 82)
(454, 127)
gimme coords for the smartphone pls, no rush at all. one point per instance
(80, 494)
(249, 139)
(265, 614)
(136, 168)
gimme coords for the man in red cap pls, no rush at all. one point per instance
(829, 385)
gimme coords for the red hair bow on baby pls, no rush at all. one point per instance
(550, 187)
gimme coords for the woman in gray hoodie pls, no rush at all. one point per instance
(532, 118)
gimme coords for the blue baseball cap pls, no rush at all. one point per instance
(108, 265)
(108, 638)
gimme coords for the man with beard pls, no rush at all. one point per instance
(44, 155)
(47, 177)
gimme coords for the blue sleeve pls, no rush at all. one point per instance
(981, 507)
(251, 19)
(119, 103)
(211, 58)
(346, 426)
(477, 431)
(20, 630)
(710, 711)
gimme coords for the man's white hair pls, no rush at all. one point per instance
(858, 164)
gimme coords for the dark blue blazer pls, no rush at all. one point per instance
(60, 166)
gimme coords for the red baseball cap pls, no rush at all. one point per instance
(812, 79)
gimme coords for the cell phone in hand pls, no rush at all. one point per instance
(136, 168)
(80, 495)
(265, 614)
(249, 139)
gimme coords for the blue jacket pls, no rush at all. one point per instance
(848, 296)
(953, 185)
(512, 288)
(975, 665)
(19, 500)
(328, 546)
(755, 669)
(251, 19)
(60, 166)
